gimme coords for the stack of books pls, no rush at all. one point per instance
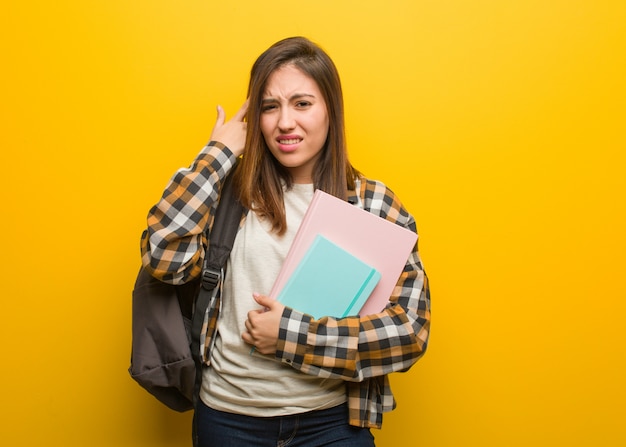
(343, 261)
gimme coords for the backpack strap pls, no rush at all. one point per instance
(221, 238)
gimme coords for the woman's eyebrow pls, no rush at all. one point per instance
(291, 98)
(301, 95)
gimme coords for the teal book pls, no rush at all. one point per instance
(329, 281)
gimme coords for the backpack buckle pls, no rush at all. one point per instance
(210, 279)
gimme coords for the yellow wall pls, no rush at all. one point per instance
(500, 123)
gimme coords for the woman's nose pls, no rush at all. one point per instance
(286, 120)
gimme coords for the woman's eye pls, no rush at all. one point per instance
(268, 107)
(302, 104)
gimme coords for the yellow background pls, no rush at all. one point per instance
(500, 124)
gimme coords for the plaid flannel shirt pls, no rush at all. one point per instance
(360, 350)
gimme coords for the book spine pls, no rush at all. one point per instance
(361, 296)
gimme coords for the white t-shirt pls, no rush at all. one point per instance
(259, 385)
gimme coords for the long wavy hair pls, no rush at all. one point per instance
(260, 177)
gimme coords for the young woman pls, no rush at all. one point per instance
(308, 382)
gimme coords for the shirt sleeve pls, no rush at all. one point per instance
(357, 348)
(172, 247)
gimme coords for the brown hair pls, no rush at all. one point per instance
(259, 175)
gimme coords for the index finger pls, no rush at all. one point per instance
(241, 113)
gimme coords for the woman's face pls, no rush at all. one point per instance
(294, 121)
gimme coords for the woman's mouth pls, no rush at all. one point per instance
(289, 141)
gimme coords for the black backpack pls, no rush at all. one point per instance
(167, 320)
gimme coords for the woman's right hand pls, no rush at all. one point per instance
(231, 133)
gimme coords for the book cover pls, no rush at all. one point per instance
(329, 281)
(379, 243)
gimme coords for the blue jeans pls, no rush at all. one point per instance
(313, 429)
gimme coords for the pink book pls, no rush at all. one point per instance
(380, 243)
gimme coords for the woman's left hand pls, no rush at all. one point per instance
(262, 325)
